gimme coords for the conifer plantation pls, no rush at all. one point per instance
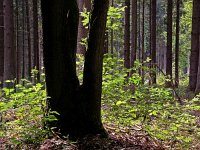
(99, 74)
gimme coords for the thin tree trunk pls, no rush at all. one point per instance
(134, 33)
(82, 31)
(29, 38)
(36, 38)
(169, 43)
(177, 43)
(1, 43)
(150, 36)
(112, 33)
(142, 54)
(127, 35)
(153, 40)
(23, 39)
(9, 47)
(139, 33)
(18, 65)
(194, 57)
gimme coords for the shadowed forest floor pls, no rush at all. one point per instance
(121, 140)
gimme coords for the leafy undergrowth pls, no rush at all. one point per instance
(136, 115)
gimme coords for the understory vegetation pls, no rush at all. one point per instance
(127, 105)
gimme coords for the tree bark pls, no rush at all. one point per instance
(177, 43)
(92, 80)
(127, 35)
(29, 38)
(194, 57)
(36, 37)
(9, 47)
(142, 54)
(169, 43)
(153, 40)
(1, 43)
(198, 75)
(79, 107)
(82, 31)
(134, 33)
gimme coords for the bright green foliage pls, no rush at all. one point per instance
(23, 114)
(128, 103)
(114, 17)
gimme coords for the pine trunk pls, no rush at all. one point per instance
(169, 44)
(177, 43)
(9, 47)
(134, 33)
(194, 57)
(153, 40)
(1, 43)
(127, 35)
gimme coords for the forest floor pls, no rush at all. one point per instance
(134, 139)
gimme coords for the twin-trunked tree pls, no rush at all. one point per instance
(79, 106)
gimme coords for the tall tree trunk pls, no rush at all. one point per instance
(177, 43)
(127, 35)
(139, 33)
(9, 47)
(1, 43)
(23, 39)
(142, 54)
(82, 31)
(198, 75)
(29, 37)
(112, 34)
(18, 49)
(79, 107)
(36, 37)
(194, 57)
(150, 36)
(92, 79)
(169, 43)
(134, 33)
(153, 40)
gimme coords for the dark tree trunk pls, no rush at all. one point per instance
(169, 43)
(134, 33)
(139, 33)
(79, 107)
(112, 34)
(153, 40)
(82, 31)
(150, 36)
(92, 80)
(23, 39)
(194, 57)
(1, 43)
(142, 54)
(177, 43)
(29, 37)
(9, 47)
(198, 75)
(127, 35)
(36, 37)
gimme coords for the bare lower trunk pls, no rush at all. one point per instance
(79, 107)
(194, 57)
(169, 43)
(1, 43)
(9, 48)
